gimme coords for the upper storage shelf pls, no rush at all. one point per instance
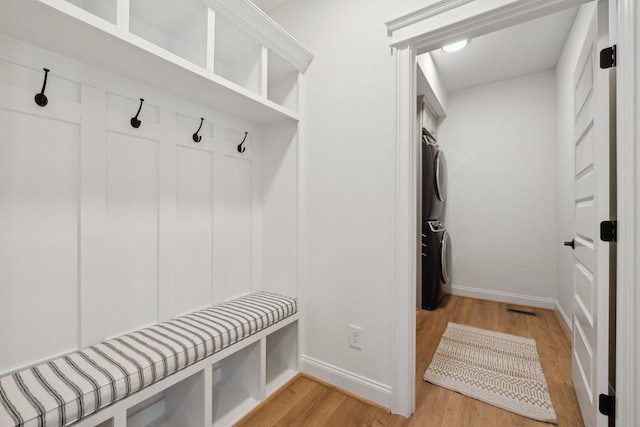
(214, 52)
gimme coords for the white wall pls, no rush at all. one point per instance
(500, 143)
(347, 164)
(565, 159)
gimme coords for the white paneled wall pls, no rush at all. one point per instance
(194, 228)
(106, 228)
(39, 185)
(238, 253)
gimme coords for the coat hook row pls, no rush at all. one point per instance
(41, 98)
(242, 149)
(134, 120)
(196, 137)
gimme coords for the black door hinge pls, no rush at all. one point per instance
(609, 231)
(608, 57)
(607, 405)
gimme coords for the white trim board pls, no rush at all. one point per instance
(500, 296)
(628, 297)
(567, 321)
(352, 382)
(447, 21)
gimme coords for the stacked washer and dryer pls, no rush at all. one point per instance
(436, 245)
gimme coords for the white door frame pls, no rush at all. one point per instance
(450, 20)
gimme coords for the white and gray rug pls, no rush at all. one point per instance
(500, 369)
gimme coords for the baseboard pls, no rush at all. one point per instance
(500, 296)
(565, 317)
(349, 381)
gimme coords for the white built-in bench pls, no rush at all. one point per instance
(170, 369)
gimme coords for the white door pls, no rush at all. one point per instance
(591, 191)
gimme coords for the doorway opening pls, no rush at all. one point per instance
(410, 38)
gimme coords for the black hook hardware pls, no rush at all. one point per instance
(571, 243)
(196, 137)
(241, 149)
(41, 98)
(134, 120)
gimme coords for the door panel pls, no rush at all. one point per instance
(591, 201)
(584, 290)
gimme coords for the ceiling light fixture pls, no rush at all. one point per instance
(454, 47)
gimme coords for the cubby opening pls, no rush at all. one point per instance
(180, 27)
(105, 9)
(282, 356)
(237, 56)
(106, 423)
(236, 385)
(180, 405)
(282, 82)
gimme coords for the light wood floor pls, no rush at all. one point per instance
(436, 406)
(308, 402)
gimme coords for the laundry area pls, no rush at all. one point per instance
(492, 108)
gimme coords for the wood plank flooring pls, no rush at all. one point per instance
(437, 406)
(308, 402)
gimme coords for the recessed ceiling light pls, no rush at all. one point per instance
(454, 47)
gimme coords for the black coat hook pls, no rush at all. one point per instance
(41, 98)
(241, 149)
(134, 120)
(196, 137)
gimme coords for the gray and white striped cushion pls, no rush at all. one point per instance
(64, 390)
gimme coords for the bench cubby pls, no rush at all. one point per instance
(182, 404)
(281, 356)
(236, 384)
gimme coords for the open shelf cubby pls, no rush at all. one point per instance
(282, 82)
(236, 385)
(107, 423)
(105, 9)
(179, 405)
(237, 56)
(282, 356)
(180, 27)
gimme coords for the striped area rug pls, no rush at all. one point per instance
(500, 369)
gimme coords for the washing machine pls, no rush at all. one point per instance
(436, 263)
(434, 180)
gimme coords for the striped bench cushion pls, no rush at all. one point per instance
(64, 390)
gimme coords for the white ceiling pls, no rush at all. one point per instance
(531, 47)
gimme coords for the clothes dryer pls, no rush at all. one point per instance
(436, 263)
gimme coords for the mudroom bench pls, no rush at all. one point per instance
(206, 368)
